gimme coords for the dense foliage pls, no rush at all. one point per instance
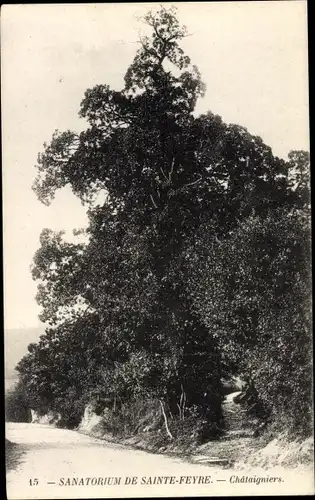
(17, 404)
(196, 265)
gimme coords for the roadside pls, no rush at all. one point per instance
(62, 461)
(238, 446)
(266, 452)
(13, 454)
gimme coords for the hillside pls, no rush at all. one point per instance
(16, 342)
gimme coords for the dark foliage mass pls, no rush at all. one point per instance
(17, 406)
(195, 266)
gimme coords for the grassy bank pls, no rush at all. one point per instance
(268, 451)
(13, 455)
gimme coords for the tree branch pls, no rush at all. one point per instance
(164, 175)
(148, 50)
(180, 411)
(165, 420)
(154, 204)
(171, 171)
(192, 183)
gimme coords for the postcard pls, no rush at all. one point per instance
(157, 270)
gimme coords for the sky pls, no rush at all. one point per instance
(251, 55)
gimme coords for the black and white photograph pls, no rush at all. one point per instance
(157, 250)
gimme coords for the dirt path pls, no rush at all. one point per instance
(58, 456)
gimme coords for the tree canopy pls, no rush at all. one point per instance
(194, 263)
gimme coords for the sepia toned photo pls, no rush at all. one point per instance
(157, 250)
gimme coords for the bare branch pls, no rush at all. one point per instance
(148, 50)
(154, 204)
(182, 403)
(193, 183)
(180, 411)
(171, 171)
(152, 22)
(164, 175)
(165, 420)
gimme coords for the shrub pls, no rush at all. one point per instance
(16, 405)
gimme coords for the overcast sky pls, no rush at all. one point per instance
(252, 57)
